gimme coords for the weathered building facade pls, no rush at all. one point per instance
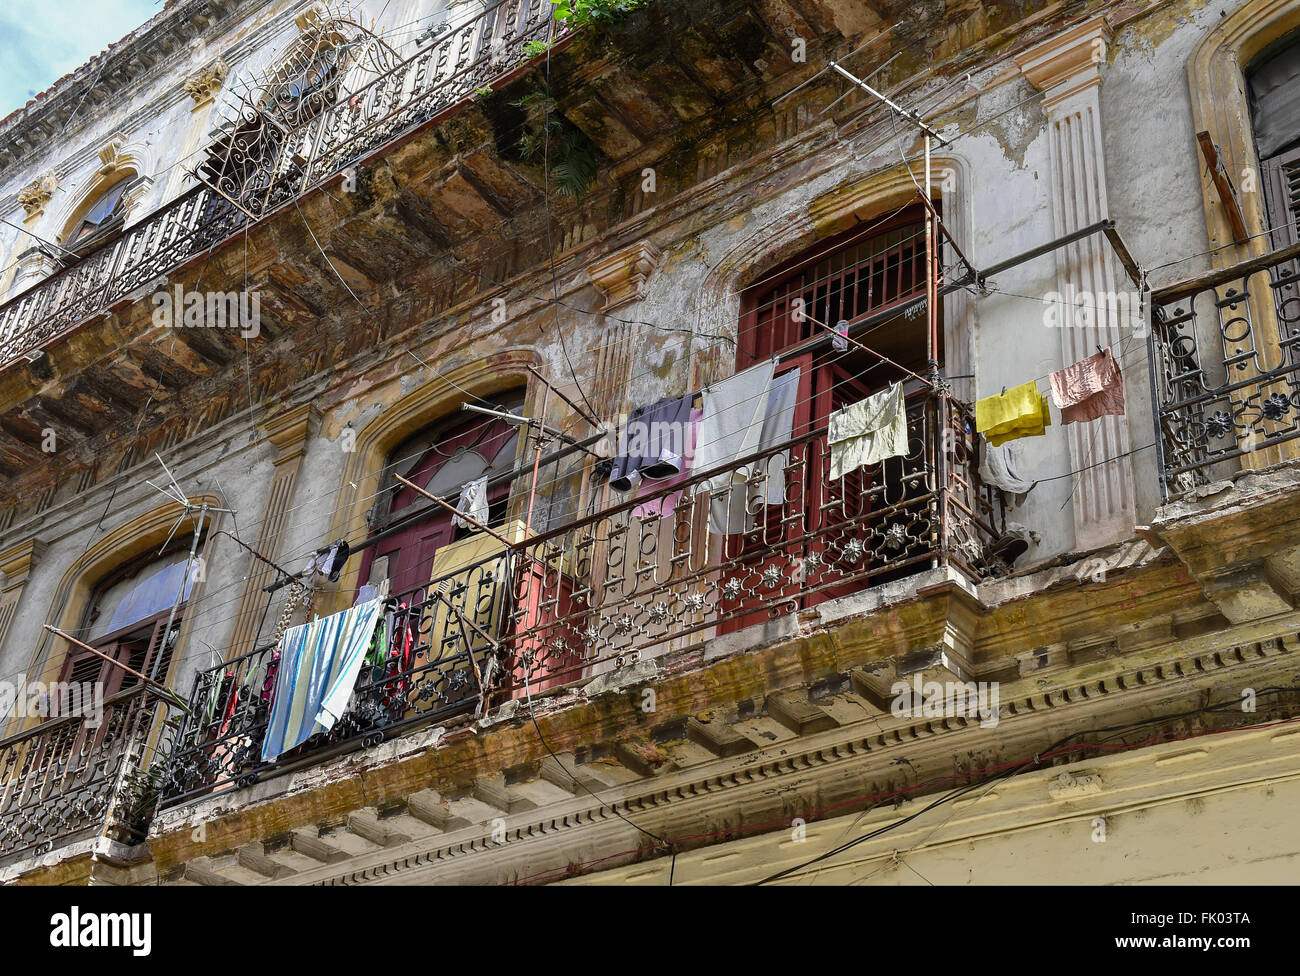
(724, 676)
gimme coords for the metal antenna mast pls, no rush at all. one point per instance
(913, 118)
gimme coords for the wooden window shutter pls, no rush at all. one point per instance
(1282, 196)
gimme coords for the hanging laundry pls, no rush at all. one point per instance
(999, 468)
(377, 652)
(473, 502)
(653, 443)
(868, 432)
(396, 677)
(744, 414)
(663, 505)
(341, 552)
(317, 671)
(841, 341)
(327, 562)
(1018, 412)
(1089, 389)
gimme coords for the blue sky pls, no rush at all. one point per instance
(42, 40)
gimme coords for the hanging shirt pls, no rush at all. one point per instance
(340, 556)
(654, 441)
(663, 505)
(316, 672)
(868, 432)
(1019, 412)
(1089, 389)
(999, 468)
(744, 414)
(473, 502)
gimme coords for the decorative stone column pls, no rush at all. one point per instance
(16, 563)
(288, 432)
(622, 278)
(1067, 68)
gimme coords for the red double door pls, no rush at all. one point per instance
(772, 558)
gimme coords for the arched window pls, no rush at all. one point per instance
(443, 458)
(126, 618)
(859, 275)
(1274, 84)
(303, 88)
(101, 222)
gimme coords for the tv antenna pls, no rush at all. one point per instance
(913, 118)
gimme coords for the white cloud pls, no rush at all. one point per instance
(43, 40)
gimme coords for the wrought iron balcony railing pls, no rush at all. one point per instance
(441, 74)
(75, 777)
(649, 575)
(1225, 358)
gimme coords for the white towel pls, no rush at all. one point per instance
(868, 432)
(743, 414)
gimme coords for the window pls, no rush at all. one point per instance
(303, 88)
(1274, 83)
(442, 459)
(101, 222)
(846, 278)
(126, 619)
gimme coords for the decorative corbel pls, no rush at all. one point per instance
(623, 277)
(36, 194)
(204, 84)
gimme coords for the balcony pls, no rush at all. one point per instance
(646, 577)
(1225, 358)
(75, 778)
(440, 75)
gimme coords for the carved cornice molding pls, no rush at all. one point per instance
(755, 775)
(719, 790)
(112, 78)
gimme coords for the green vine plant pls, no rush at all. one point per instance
(580, 13)
(548, 137)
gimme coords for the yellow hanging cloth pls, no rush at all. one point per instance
(1019, 412)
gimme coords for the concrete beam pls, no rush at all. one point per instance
(200, 871)
(367, 825)
(308, 841)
